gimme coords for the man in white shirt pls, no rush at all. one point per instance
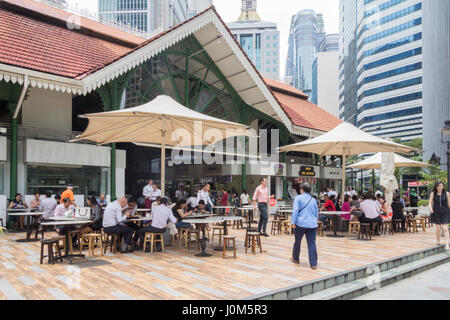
(48, 206)
(191, 203)
(180, 194)
(146, 193)
(160, 216)
(203, 194)
(370, 209)
(113, 222)
(155, 192)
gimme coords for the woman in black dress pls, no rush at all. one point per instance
(440, 211)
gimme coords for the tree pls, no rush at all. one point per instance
(433, 175)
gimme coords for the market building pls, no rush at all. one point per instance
(51, 71)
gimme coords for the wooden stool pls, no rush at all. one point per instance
(387, 226)
(353, 226)
(89, 238)
(197, 237)
(49, 243)
(320, 228)
(151, 238)
(227, 240)
(411, 225)
(111, 239)
(364, 231)
(397, 225)
(255, 238)
(421, 223)
(220, 234)
(373, 227)
(286, 227)
(239, 224)
(276, 227)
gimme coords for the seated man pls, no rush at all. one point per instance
(102, 201)
(370, 211)
(160, 216)
(201, 207)
(113, 222)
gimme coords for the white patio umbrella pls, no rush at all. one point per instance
(162, 121)
(346, 140)
(374, 162)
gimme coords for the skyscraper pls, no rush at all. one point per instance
(146, 15)
(382, 52)
(197, 6)
(436, 77)
(325, 75)
(307, 30)
(259, 39)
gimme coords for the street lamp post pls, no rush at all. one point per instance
(446, 130)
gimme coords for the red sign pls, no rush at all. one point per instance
(418, 184)
(307, 180)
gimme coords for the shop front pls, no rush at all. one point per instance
(3, 159)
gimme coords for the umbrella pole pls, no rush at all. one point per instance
(163, 156)
(344, 159)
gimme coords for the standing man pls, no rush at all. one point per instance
(48, 206)
(113, 222)
(261, 197)
(203, 194)
(146, 193)
(304, 222)
(68, 193)
(155, 192)
(180, 194)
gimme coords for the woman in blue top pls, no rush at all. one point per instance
(304, 220)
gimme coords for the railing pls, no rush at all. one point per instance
(24, 133)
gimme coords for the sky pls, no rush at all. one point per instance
(279, 11)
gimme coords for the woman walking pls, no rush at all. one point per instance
(304, 221)
(439, 209)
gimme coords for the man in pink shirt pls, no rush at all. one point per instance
(261, 196)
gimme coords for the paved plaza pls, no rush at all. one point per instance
(179, 274)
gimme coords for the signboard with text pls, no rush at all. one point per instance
(307, 171)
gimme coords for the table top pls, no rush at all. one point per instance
(212, 219)
(246, 208)
(285, 210)
(66, 223)
(25, 213)
(224, 207)
(20, 210)
(141, 210)
(68, 219)
(334, 213)
(411, 208)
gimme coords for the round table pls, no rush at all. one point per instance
(202, 222)
(66, 224)
(335, 214)
(29, 226)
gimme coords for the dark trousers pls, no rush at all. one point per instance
(123, 230)
(311, 240)
(142, 231)
(378, 220)
(263, 216)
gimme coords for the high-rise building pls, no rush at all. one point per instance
(436, 77)
(325, 75)
(386, 41)
(146, 15)
(348, 17)
(197, 6)
(307, 31)
(259, 39)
